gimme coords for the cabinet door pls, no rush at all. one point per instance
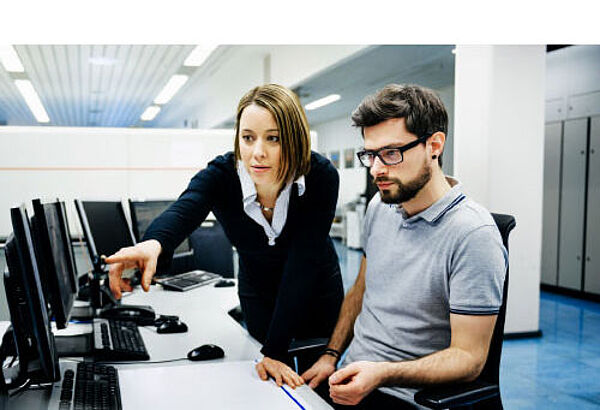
(592, 242)
(572, 204)
(552, 146)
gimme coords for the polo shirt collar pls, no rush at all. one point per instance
(441, 206)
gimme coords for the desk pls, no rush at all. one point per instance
(204, 310)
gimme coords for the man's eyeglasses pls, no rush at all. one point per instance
(388, 155)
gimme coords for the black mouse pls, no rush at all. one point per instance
(206, 352)
(172, 326)
(224, 283)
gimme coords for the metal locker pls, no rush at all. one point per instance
(572, 204)
(592, 241)
(552, 147)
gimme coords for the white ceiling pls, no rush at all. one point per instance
(76, 92)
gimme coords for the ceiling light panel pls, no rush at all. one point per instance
(322, 102)
(10, 59)
(150, 113)
(199, 55)
(175, 83)
(33, 100)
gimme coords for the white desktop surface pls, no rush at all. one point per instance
(169, 380)
(204, 311)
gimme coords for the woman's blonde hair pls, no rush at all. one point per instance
(294, 132)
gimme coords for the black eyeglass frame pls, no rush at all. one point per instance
(402, 149)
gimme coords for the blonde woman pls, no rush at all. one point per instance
(275, 200)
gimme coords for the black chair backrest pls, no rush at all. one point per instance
(491, 370)
(212, 249)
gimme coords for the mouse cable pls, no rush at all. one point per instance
(146, 362)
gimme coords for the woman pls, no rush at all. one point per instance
(275, 200)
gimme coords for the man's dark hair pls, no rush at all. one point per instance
(421, 107)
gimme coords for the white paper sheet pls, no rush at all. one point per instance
(227, 385)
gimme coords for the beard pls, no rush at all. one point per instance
(404, 191)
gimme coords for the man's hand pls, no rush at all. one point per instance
(321, 370)
(279, 371)
(351, 384)
(144, 256)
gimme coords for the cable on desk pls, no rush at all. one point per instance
(146, 362)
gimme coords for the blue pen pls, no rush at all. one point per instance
(292, 397)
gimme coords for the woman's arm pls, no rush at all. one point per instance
(190, 209)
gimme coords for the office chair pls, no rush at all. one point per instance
(212, 250)
(484, 392)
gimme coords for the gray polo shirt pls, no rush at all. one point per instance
(447, 258)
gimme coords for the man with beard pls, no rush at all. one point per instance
(423, 307)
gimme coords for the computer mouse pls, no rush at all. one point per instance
(172, 326)
(206, 352)
(224, 283)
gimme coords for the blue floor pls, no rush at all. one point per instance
(560, 370)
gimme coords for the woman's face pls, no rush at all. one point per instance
(260, 145)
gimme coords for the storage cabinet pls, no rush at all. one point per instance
(571, 213)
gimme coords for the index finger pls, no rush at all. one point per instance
(123, 255)
(341, 375)
(309, 374)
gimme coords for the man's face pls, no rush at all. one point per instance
(401, 182)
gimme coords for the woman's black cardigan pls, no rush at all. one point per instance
(290, 272)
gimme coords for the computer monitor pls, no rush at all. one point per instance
(34, 341)
(104, 226)
(56, 263)
(142, 215)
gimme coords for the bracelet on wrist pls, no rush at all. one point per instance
(332, 352)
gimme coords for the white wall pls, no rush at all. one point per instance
(339, 135)
(499, 153)
(100, 163)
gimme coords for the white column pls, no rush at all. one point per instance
(499, 154)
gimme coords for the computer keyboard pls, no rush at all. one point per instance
(95, 386)
(116, 340)
(188, 280)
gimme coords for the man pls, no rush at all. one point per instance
(423, 307)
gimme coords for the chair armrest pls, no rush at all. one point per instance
(307, 346)
(453, 395)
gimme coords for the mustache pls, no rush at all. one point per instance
(385, 179)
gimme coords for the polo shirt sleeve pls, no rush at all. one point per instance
(478, 267)
(368, 219)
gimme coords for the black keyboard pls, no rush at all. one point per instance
(96, 387)
(116, 340)
(188, 280)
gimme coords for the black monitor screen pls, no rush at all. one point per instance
(55, 259)
(27, 305)
(108, 226)
(142, 215)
